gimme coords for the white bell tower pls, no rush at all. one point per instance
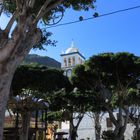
(70, 58)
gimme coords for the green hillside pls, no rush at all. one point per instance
(42, 60)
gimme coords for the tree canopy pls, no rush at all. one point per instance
(38, 78)
(110, 80)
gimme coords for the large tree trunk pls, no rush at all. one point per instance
(73, 133)
(12, 52)
(74, 128)
(120, 122)
(97, 126)
(119, 133)
(6, 75)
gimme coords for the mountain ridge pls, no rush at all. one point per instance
(42, 60)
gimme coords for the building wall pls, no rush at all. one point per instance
(78, 60)
(86, 128)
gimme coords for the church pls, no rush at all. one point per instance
(70, 58)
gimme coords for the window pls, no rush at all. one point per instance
(108, 122)
(73, 60)
(69, 61)
(65, 62)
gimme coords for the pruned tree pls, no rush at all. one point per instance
(85, 81)
(73, 105)
(16, 42)
(30, 84)
(109, 78)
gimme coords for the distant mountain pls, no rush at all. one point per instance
(42, 60)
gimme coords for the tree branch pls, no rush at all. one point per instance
(42, 11)
(19, 5)
(80, 116)
(31, 3)
(112, 117)
(10, 23)
(120, 116)
(127, 115)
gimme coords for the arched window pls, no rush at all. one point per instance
(69, 61)
(73, 61)
(65, 62)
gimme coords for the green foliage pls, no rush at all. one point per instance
(45, 40)
(77, 5)
(51, 17)
(58, 100)
(109, 78)
(38, 78)
(54, 116)
(9, 5)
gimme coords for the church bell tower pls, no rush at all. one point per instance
(70, 58)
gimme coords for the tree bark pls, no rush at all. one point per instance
(12, 52)
(25, 125)
(97, 126)
(74, 128)
(119, 134)
(73, 133)
(120, 123)
(6, 75)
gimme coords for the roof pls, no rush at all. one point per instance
(73, 53)
(71, 50)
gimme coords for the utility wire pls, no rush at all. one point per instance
(107, 14)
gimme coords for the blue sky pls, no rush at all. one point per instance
(114, 33)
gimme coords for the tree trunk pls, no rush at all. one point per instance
(6, 75)
(120, 122)
(74, 128)
(25, 125)
(137, 128)
(73, 133)
(97, 126)
(119, 134)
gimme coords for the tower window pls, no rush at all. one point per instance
(73, 61)
(69, 61)
(65, 62)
